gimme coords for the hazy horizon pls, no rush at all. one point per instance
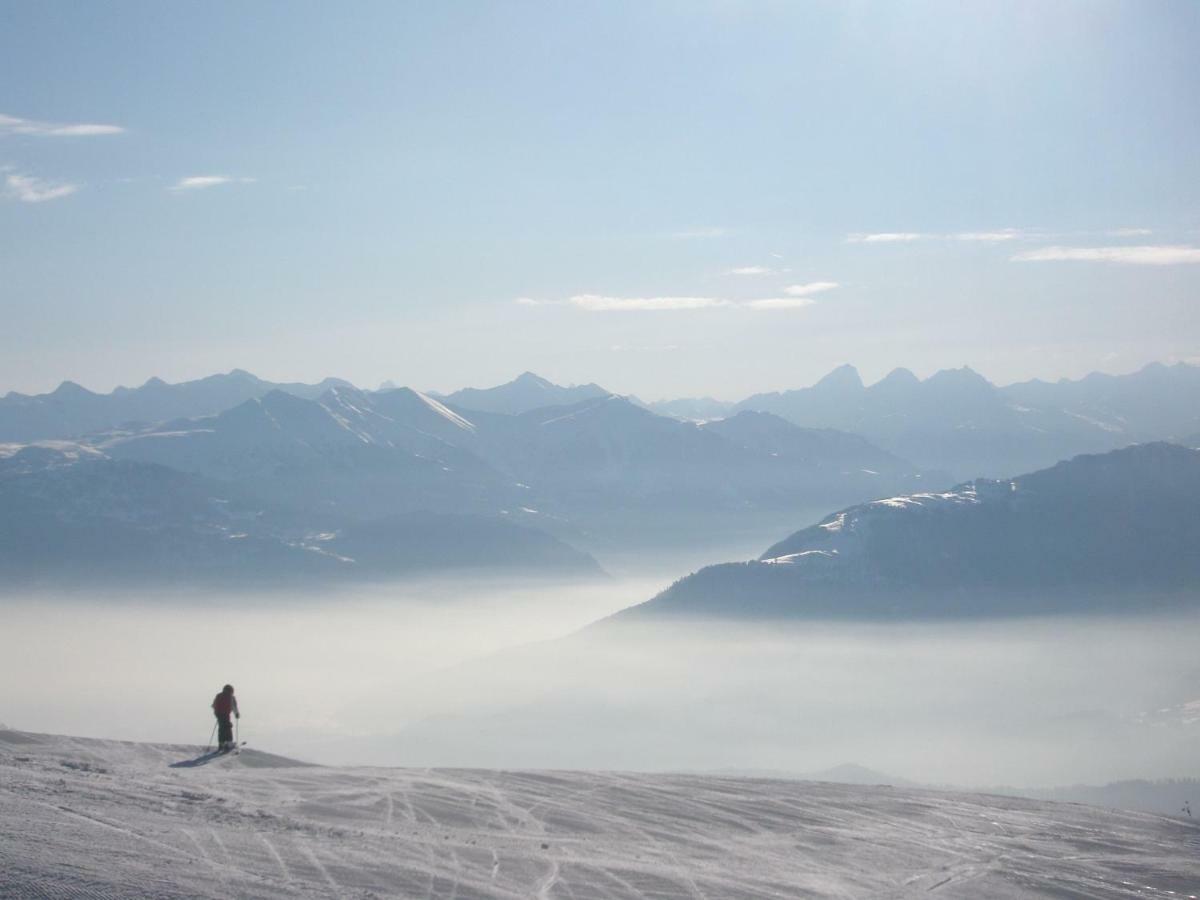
(868, 380)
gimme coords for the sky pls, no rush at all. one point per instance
(667, 198)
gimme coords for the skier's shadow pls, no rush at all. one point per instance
(201, 760)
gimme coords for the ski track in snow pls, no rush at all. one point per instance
(104, 819)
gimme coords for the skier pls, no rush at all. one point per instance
(223, 704)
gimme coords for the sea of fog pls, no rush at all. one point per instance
(486, 675)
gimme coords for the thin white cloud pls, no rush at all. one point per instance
(885, 237)
(1004, 234)
(600, 303)
(28, 189)
(15, 125)
(813, 287)
(1129, 232)
(1145, 255)
(750, 270)
(200, 182)
(773, 303)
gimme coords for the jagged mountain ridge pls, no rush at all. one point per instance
(71, 410)
(609, 452)
(603, 469)
(524, 393)
(1110, 531)
(348, 453)
(959, 422)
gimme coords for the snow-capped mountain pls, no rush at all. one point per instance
(1111, 531)
(348, 453)
(602, 469)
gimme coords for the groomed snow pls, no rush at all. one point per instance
(90, 818)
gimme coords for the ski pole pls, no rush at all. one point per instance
(237, 731)
(210, 737)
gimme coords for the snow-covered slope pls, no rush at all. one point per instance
(91, 818)
(1114, 531)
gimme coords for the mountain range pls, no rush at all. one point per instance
(957, 421)
(280, 486)
(1109, 532)
(603, 472)
(72, 515)
(71, 410)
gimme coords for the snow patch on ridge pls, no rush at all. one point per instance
(964, 495)
(445, 412)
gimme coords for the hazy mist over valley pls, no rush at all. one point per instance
(484, 677)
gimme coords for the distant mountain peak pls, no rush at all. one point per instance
(844, 377)
(532, 378)
(71, 389)
(963, 375)
(526, 392)
(899, 376)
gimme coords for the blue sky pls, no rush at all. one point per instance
(666, 198)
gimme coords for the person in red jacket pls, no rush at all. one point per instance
(224, 705)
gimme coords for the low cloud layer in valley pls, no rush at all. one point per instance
(496, 676)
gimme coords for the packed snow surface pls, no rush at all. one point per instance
(92, 818)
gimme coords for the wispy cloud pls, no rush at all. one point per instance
(28, 189)
(772, 303)
(15, 125)
(600, 303)
(604, 303)
(813, 287)
(1145, 255)
(200, 182)
(901, 237)
(749, 270)
(990, 236)
(1004, 234)
(885, 237)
